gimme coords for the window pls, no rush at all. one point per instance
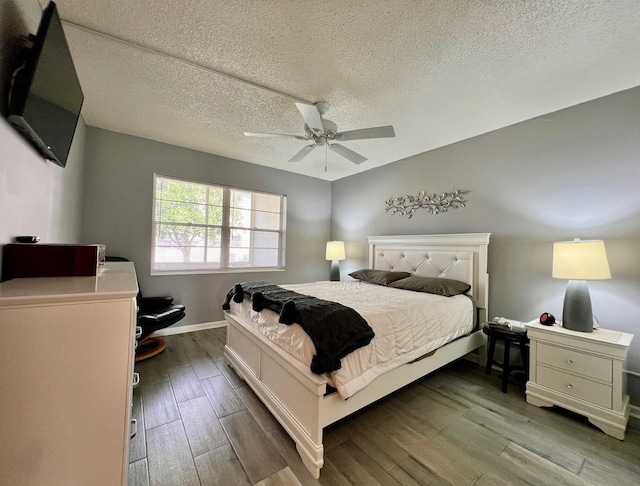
(203, 228)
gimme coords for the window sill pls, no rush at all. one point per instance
(157, 273)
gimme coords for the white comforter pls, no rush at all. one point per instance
(407, 325)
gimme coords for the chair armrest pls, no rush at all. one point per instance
(154, 304)
(153, 321)
(165, 315)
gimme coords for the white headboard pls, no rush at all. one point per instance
(457, 256)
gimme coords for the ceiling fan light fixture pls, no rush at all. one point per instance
(329, 126)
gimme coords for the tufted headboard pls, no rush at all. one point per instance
(457, 256)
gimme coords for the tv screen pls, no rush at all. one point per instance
(45, 97)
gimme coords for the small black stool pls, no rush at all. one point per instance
(507, 337)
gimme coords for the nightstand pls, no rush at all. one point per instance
(582, 372)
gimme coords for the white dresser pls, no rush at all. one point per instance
(66, 365)
(582, 372)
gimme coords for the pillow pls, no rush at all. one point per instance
(432, 285)
(380, 277)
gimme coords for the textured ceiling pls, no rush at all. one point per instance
(438, 71)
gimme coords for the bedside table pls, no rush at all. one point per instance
(582, 372)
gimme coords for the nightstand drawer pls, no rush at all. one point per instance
(574, 386)
(576, 362)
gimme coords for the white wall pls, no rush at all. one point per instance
(574, 173)
(26, 182)
(65, 210)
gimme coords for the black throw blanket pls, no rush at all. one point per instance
(336, 330)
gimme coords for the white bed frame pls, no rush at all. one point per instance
(296, 396)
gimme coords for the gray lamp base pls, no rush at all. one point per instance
(576, 313)
(334, 276)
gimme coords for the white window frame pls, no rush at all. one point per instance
(226, 230)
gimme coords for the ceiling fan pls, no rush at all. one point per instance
(325, 133)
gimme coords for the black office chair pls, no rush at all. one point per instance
(154, 313)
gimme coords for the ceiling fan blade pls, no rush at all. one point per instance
(354, 157)
(302, 154)
(311, 117)
(281, 135)
(375, 132)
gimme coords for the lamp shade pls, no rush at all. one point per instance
(580, 260)
(335, 250)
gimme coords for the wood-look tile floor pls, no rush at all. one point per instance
(199, 424)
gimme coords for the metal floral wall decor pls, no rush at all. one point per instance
(433, 203)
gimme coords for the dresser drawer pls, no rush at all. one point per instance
(574, 386)
(576, 362)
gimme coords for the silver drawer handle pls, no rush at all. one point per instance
(569, 386)
(570, 361)
(133, 429)
(136, 379)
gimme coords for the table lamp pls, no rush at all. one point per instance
(335, 253)
(579, 261)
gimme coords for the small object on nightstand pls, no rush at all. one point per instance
(509, 325)
(547, 319)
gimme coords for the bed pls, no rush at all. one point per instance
(302, 401)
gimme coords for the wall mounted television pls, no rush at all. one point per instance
(45, 98)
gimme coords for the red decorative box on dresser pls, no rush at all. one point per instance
(25, 260)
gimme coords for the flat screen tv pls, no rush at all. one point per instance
(45, 96)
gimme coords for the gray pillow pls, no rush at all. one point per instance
(380, 277)
(432, 285)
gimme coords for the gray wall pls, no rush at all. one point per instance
(37, 197)
(118, 203)
(573, 173)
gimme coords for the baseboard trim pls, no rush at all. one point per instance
(171, 330)
(634, 411)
